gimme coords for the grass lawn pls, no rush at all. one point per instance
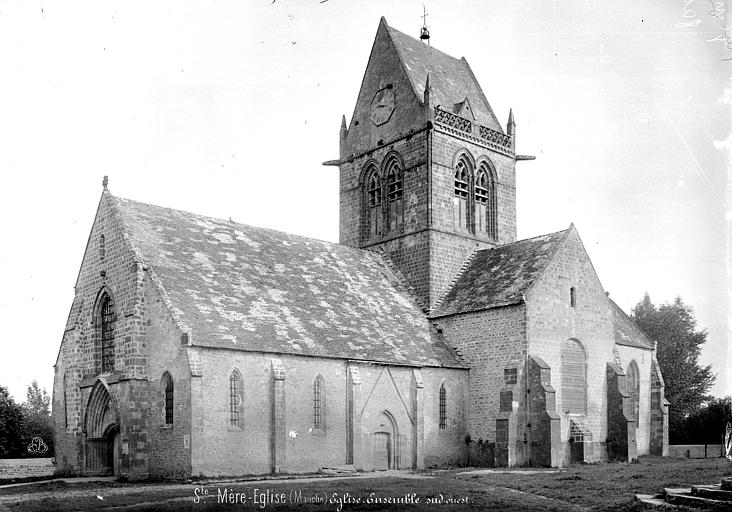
(601, 487)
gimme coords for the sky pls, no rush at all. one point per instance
(228, 108)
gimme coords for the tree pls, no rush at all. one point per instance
(11, 426)
(38, 421)
(673, 327)
(707, 425)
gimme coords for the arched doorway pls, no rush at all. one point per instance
(385, 443)
(102, 432)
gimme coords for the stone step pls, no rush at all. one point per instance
(684, 497)
(653, 499)
(711, 491)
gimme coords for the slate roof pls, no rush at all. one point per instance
(451, 79)
(627, 331)
(499, 276)
(255, 289)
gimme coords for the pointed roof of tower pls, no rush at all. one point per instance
(451, 79)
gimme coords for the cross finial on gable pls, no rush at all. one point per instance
(105, 181)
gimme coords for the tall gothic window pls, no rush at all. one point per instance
(632, 385)
(443, 407)
(485, 201)
(394, 193)
(460, 211)
(168, 399)
(373, 213)
(109, 320)
(319, 403)
(574, 377)
(234, 400)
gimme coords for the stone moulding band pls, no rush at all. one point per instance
(464, 127)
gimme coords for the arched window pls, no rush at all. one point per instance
(572, 297)
(485, 201)
(632, 386)
(574, 378)
(443, 407)
(168, 382)
(101, 248)
(373, 209)
(108, 321)
(394, 193)
(319, 403)
(234, 400)
(461, 210)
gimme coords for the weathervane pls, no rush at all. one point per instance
(424, 34)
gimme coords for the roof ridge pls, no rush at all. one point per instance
(468, 261)
(250, 226)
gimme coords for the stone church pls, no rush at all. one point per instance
(200, 346)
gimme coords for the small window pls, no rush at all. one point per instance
(101, 248)
(443, 407)
(234, 400)
(510, 376)
(572, 297)
(168, 400)
(318, 403)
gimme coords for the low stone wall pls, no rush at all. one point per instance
(24, 468)
(696, 451)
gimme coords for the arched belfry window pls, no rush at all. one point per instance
(168, 386)
(108, 322)
(574, 377)
(319, 403)
(234, 399)
(373, 204)
(394, 195)
(632, 386)
(443, 407)
(461, 203)
(485, 201)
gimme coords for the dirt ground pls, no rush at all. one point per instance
(598, 487)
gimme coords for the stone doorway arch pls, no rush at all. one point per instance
(385, 442)
(101, 426)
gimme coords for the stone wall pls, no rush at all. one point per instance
(257, 444)
(108, 265)
(488, 342)
(551, 320)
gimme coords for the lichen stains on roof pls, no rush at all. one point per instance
(627, 331)
(256, 289)
(499, 276)
(451, 80)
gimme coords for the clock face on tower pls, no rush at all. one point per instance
(382, 106)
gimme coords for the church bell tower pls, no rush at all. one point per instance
(427, 173)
